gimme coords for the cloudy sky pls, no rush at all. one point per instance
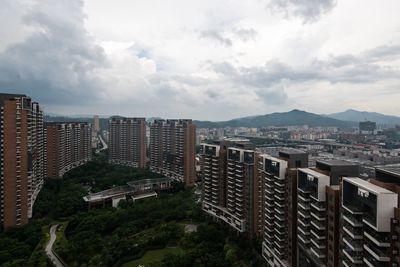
(208, 59)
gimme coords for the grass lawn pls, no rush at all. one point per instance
(152, 256)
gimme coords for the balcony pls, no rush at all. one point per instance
(320, 235)
(305, 215)
(318, 244)
(317, 253)
(319, 206)
(379, 239)
(378, 254)
(302, 198)
(352, 221)
(354, 257)
(353, 232)
(318, 225)
(303, 240)
(318, 215)
(353, 209)
(353, 245)
(303, 205)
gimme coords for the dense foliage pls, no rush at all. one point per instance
(110, 236)
(64, 197)
(17, 245)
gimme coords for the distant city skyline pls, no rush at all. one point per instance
(208, 60)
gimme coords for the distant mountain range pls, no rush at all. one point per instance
(347, 119)
(291, 118)
(357, 116)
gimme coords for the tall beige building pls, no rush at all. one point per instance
(127, 142)
(96, 123)
(68, 146)
(172, 149)
(22, 158)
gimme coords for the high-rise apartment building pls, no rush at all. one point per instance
(232, 189)
(22, 158)
(68, 146)
(127, 142)
(172, 149)
(370, 219)
(318, 211)
(367, 213)
(96, 124)
(279, 176)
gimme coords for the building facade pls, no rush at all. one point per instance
(22, 158)
(318, 209)
(127, 142)
(172, 149)
(68, 145)
(232, 190)
(279, 176)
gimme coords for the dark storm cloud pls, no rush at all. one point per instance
(307, 10)
(57, 62)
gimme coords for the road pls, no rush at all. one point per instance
(49, 247)
(103, 144)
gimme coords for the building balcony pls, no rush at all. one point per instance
(318, 253)
(318, 245)
(319, 206)
(376, 253)
(353, 245)
(353, 257)
(279, 204)
(320, 235)
(353, 209)
(347, 263)
(355, 222)
(304, 223)
(318, 215)
(303, 240)
(303, 206)
(302, 198)
(303, 214)
(379, 239)
(353, 232)
(318, 225)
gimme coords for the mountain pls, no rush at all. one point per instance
(357, 116)
(291, 118)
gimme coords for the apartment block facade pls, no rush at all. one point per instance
(318, 210)
(172, 149)
(232, 189)
(127, 142)
(367, 213)
(68, 145)
(279, 176)
(22, 158)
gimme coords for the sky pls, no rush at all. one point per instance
(209, 59)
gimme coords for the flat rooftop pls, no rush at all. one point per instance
(292, 151)
(336, 162)
(390, 170)
(149, 181)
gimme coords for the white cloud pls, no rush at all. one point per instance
(206, 59)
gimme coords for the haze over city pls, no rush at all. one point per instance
(211, 60)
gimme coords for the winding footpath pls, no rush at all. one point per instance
(49, 247)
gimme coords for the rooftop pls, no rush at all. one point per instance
(336, 162)
(292, 151)
(392, 170)
(367, 185)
